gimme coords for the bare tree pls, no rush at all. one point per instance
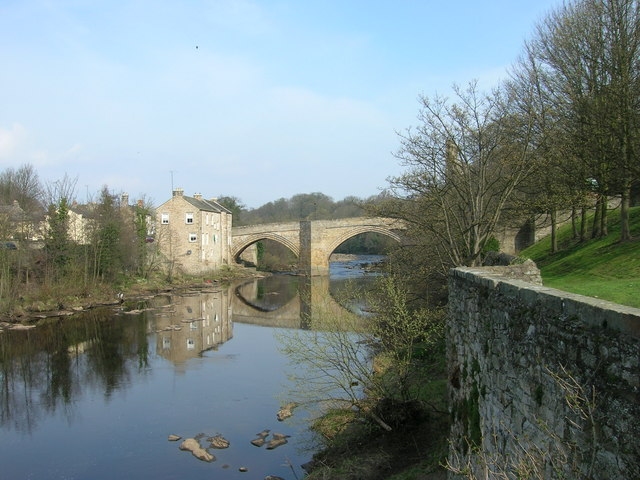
(23, 186)
(463, 161)
(64, 188)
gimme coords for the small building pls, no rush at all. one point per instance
(17, 224)
(193, 234)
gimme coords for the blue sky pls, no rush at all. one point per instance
(257, 99)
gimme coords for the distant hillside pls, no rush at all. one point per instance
(602, 268)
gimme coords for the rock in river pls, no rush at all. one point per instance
(218, 441)
(286, 411)
(278, 439)
(192, 445)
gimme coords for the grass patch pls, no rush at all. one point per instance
(602, 268)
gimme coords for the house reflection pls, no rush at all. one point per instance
(192, 324)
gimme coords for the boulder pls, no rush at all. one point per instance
(219, 441)
(277, 441)
(286, 411)
(192, 445)
(258, 442)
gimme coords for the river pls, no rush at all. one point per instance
(96, 396)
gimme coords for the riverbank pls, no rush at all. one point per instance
(50, 303)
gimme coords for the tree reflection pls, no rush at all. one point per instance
(43, 369)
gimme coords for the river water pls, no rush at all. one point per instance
(95, 396)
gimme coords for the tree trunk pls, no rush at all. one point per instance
(574, 220)
(554, 231)
(583, 223)
(595, 232)
(625, 230)
(604, 228)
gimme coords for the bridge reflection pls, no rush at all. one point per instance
(188, 324)
(310, 301)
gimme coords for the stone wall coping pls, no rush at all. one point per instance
(592, 311)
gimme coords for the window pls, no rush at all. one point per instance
(191, 344)
(189, 218)
(165, 219)
(193, 237)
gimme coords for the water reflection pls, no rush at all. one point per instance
(43, 370)
(192, 324)
(97, 394)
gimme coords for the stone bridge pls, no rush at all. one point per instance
(313, 241)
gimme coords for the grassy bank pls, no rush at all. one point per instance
(603, 268)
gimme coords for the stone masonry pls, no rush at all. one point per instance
(542, 383)
(193, 234)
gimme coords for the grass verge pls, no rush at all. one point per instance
(602, 268)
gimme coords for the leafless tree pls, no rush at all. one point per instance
(64, 188)
(23, 186)
(464, 161)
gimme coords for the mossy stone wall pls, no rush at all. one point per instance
(543, 383)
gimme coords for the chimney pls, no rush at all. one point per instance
(197, 196)
(178, 192)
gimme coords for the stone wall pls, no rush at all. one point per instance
(542, 383)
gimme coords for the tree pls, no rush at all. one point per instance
(556, 183)
(235, 206)
(21, 185)
(54, 192)
(146, 251)
(105, 238)
(590, 53)
(57, 244)
(463, 161)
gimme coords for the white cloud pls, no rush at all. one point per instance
(11, 140)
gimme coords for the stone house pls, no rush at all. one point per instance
(82, 219)
(79, 223)
(193, 234)
(17, 224)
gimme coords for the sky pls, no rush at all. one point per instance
(255, 99)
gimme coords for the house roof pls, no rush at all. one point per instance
(206, 205)
(201, 204)
(13, 211)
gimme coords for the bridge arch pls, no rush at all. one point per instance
(239, 247)
(359, 231)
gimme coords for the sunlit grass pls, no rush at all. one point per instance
(602, 268)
